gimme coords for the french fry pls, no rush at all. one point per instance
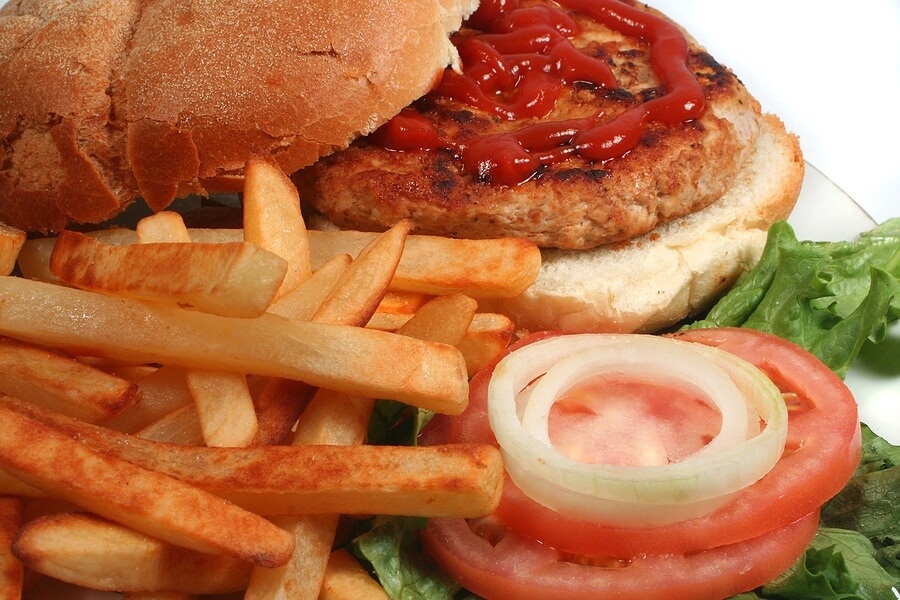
(150, 502)
(181, 426)
(224, 407)
(222, 399)
(132, 373)
(86, 550)
(299, 578)
(157, 596)
(302, 303)
(236, 280)
(444, 319)
(386, 321)
(356, 297)
(454, 480)
(346, 579)
(435, 265)
(160, 393)
(401, 303)
(485, 340)
(351, 301)
(34, 259)
(281, 401)
(10, 486)
(333, 418)
(162, 227)
(425, 374)
(11, 241)
(59, 382)
(432, 265)
(360, 289)
(272, 218)
(278, 406)
(396, 308)
(12, 573)
(336, 419)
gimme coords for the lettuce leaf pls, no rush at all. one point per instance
(392, 549)
(839, 565)
(396, 424)
(828, 297)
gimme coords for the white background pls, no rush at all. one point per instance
(829, 69)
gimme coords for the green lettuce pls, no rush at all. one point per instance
(854, 555)
(393, 551)
(828, 297)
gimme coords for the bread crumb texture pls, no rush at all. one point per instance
(104, 102)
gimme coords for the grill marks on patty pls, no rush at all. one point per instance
(573, 204)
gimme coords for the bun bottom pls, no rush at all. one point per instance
(678, 269)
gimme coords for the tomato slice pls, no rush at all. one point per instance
(515, 567)
(823, 451)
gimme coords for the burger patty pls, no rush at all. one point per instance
(574, 203)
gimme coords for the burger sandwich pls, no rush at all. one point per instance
(599, 131)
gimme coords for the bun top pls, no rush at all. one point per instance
(102, 102)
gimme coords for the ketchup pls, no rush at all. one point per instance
(516, 67)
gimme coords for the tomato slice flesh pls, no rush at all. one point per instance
(615, 420)
(526, 570)
(824, 440)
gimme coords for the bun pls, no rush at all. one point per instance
(656, 280)
(102, 102)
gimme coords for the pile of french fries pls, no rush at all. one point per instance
(184, 411)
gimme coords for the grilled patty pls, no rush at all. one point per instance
(575, 203)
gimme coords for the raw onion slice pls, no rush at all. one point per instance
(633, 495)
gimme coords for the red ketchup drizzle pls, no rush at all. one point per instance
(516, 68)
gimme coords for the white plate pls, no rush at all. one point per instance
(824, 212)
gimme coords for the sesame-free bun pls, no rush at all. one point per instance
(656, 280)
(104, 102)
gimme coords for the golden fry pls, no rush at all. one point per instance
(346, 579)
(163, 227)
(278, 406)
(150, 502)
(453, 480)
(86, 550)
(157, 596)
(11, 241)
(222, 400)
(272, 218)
(302, 303)
(402, 303)
(435, 265)
(360, 289)
(237, 280)
(12, 573)
(301, 577)
(61, 383)
(181, 426)
(444, 319)
(338, 357)
(224, 407)
(10, 486)
(159, 393)
(486, 339)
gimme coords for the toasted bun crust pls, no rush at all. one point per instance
(656, 280)
(102, 102)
